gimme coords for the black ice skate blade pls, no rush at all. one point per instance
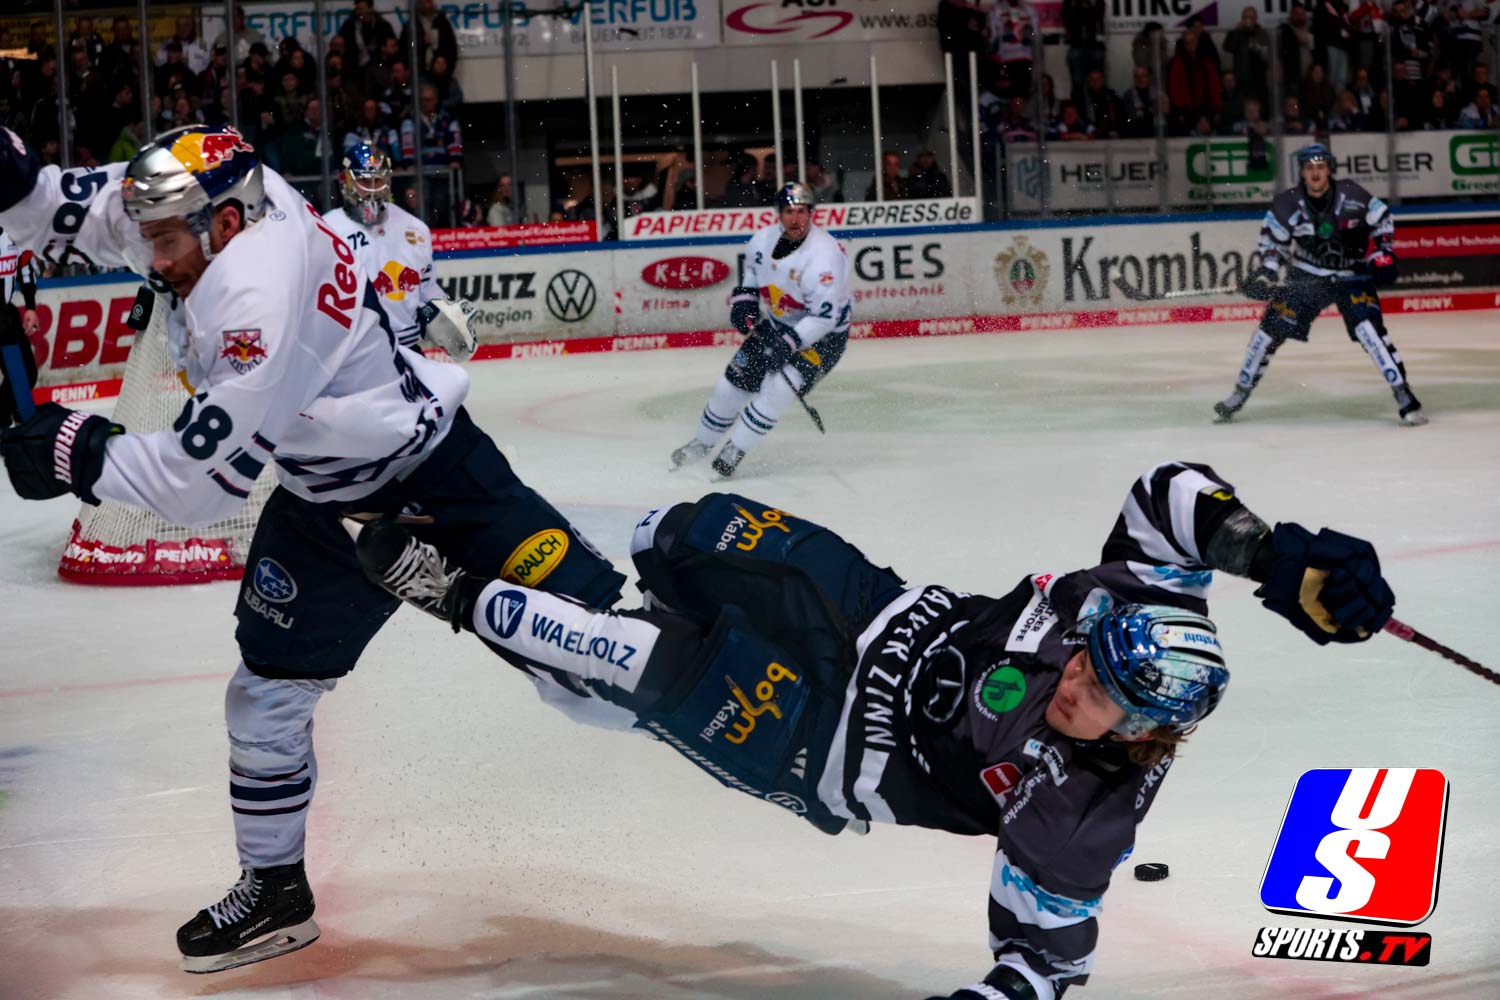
(282, 942)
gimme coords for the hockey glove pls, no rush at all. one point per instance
(55, 452)
(1261, 285)
(1328, 585)
(1381, 267)
(744, 309)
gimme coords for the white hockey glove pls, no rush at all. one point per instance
(453, 326)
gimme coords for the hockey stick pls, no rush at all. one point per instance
(1401, 630)
(16, 377)
(817, 420)
(1136, 295)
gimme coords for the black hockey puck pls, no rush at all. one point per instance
(1151, 872)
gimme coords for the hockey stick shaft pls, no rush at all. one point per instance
(15, 377)
(1401, 630)
(811, 412)
(1136, 295)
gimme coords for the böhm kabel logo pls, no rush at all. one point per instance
(1362, 844)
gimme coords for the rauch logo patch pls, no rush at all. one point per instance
(534, 559)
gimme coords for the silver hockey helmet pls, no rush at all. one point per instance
(190, 171)
(795, 193)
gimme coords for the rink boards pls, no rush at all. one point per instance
(916, 281)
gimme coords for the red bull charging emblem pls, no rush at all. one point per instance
(203, 151)
(243, 349)
(395, 280)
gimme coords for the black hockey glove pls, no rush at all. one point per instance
(744, 309)
(1328, 585)
(1260, 285)
(779, 345)
(55, 452)
(1381, 267)
(1003, 983)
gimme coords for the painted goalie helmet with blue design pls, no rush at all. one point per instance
(1163, 665)
(365, 183)
(190, 172)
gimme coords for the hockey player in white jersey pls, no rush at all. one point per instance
(799, 275)
(394, 248)
(293, 360)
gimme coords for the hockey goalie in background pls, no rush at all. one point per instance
(776, 657)
(394, 249)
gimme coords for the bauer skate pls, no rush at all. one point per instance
(1408, 408)
(1226, 408)
(693, 451)
(728, 460)
(267, 913)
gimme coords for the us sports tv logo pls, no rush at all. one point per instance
(1363, 844)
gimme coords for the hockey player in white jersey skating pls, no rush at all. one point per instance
(293, 360)
(800, 274)
(394, 248)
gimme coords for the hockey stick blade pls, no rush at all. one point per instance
(1401, 630)
(817, 420)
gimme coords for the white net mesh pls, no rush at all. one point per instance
(117, 544)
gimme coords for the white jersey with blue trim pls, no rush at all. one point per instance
(285, 343)
(805, 292)
(396, 255)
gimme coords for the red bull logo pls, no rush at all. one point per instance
(202, 151)
(242, 349)
(395, 280)
(781, 302)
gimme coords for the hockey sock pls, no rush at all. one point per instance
(762, 413)
(1257, 358)
(1378, 346)
(272, 769)
(724, 404)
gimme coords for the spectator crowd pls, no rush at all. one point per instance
(368, 87)
(1324, 69)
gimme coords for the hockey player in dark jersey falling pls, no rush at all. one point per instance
(1335, 238)
(778, 658)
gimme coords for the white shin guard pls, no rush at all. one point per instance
(724, 404)
(1382, 352)
(272, 769)
(762, 413)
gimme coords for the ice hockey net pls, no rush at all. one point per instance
(121, 545)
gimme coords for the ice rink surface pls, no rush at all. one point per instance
(467, 841)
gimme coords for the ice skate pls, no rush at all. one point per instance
(1227, 407)
(267, 913)
(693, 451)
(728, 460)
(1409, 409)
(410, 569)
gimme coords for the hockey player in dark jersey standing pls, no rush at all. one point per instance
(779, 659)
(1335, 238)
